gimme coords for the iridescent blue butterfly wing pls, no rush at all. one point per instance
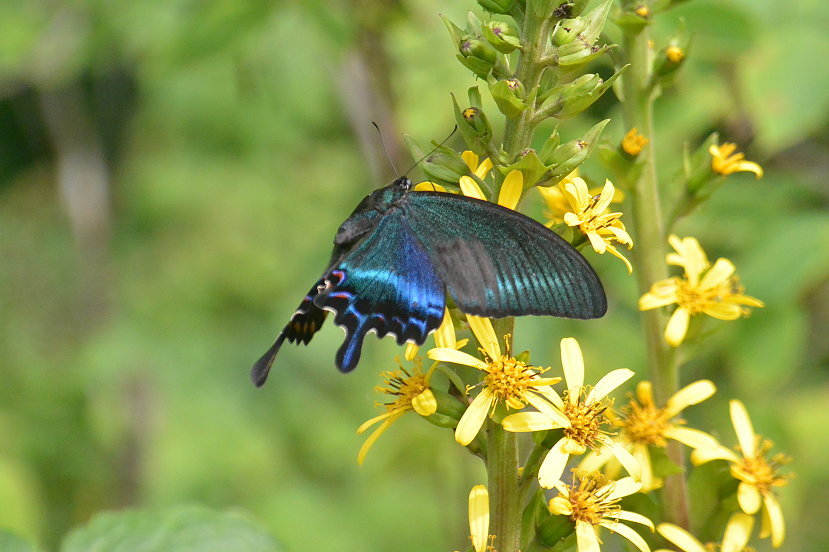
(497, 262)
(385, 283)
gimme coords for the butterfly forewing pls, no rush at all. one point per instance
(497, 262)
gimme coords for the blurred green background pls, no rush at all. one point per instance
(171, 176)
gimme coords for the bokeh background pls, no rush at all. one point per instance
(171, 176)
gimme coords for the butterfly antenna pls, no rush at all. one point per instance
(385, 149)
(419, 161)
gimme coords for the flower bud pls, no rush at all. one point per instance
(497, 6)
(474, 126)
(567, 30)
(502, 36)
(582, 92)
(509, 96)
(595, 19)
(477, 55)
(570, 155)
(578, 53)
(669, 60)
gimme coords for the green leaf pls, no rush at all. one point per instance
(177, 529)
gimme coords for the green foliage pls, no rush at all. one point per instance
(179, 529)
(230, 163)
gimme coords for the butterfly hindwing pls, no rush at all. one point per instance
(385, 283)
(497, 262)
(302, 326)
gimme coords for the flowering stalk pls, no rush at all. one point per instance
(502, 460)
(649, 230)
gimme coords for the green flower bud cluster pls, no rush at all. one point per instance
(575, 38)
(482, 47)
(566, 100)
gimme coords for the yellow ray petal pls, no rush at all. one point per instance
(482, 328)
(723, 311)
(628, 533)
(479, 517)
(474, 417)
(693, 393)
(445, 334)
(680, 537)
(470, 188)
(553, 465)
(694, 438)
(427, 186)
(717, 274)
(361, 456)
(608, 383)
(749, 498)
(677, 327)
(483, 169)
(456, 357)
(737, 532)
(471, 159)
(527, 421)
(707, 454)
(743, 428)
(573, 363)
(633, 517)
(586, 538)
(553, 414)
(775, 520)
(511, 189)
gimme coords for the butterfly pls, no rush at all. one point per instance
(401, 250)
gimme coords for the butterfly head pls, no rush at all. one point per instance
(403, 184)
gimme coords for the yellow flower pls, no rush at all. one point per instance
(633, 142)
(408, 390)
(758, 474)
(642, 424)
(590, 214)
(737, 533)
(724, 161)
(591, 502)
(674, 53)
(557, 204)
(479, 517)
(581, 413)
(712, 290)
(506, 380)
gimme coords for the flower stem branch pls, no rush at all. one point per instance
(649, 253)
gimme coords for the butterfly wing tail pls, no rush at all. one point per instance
(261, 368)
(302, 326)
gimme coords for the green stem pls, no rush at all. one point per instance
(505, 496)
(518, 131)
(650, 249)
(503, 487)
